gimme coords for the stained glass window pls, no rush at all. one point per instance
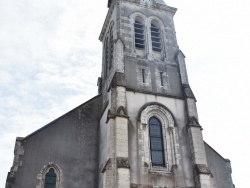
(156, 142)
(50, 179)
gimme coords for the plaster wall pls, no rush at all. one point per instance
(135, 101)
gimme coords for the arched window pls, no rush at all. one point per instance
(111, 48)
(50, 179)
(106, 46)
(50, 176)
(139, 33)
(156, 142)
(155, 37)
(159, 143)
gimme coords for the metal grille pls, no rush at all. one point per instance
(50, 179)
(139, 35)
(155, 38)
(156, 142)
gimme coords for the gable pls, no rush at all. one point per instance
(70, 142)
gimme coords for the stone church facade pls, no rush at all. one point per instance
(140, 131)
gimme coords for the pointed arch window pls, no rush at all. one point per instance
(156, 142)
(139, 34)
(50, 179)
(155, 37)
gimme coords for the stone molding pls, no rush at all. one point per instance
(122, 162)
(133, 185)
(160, 111)
(193, 122)
(118, 80)
(188, 93)
(110, 116)
(121, 112)
(156, 5)
(45, 169)
(171, 147)
(105, 165)
(202, 169)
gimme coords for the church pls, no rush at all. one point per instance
(141, 130)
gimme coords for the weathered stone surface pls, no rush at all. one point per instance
(69, 141)
(106, 142)
(122, 162)
(202, 169)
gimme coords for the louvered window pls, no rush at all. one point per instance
(106, 57)
(111, 50)
(139, 34)
(156, 142)
(50, 179)
(155, 38)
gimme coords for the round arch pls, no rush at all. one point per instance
(169, 133)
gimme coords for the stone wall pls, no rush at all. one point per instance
(220, 168)
(69, 144)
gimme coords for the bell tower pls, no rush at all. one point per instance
(150, 135)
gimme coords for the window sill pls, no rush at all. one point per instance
(159, 170)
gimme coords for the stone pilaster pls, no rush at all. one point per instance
(201, 172)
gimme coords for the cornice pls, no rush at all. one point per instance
(155, 5)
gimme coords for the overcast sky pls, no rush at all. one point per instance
(50, 58)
